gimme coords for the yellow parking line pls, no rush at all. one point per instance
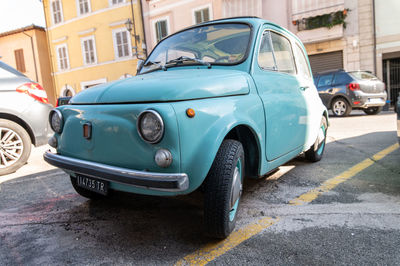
(214, 250)
(333, 182)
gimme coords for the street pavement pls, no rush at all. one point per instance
(343, 210)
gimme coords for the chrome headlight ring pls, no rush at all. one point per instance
(150, 126)
(56, 120)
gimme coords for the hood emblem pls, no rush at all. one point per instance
(87, 130)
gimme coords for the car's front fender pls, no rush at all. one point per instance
(202, 135)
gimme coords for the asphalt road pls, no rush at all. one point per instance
(356, 221)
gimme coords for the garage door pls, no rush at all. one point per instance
(326, 61)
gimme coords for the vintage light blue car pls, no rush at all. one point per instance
(212, 104)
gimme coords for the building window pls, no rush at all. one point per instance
(161, 29)
(116, 2)
(57, 12)
(89, 50)
(83, 6)
(122, 43)
(202, 15)
(62, 57)
(19, 60)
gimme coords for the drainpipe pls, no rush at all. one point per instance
(134, 28)
(34, 56)
(143, 27)
(374, 29)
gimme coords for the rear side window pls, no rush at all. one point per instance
(325, 80)
(341, 78)
(363, 75)
(6, 71)
(302, 65)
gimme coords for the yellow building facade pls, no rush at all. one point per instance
(90, 42)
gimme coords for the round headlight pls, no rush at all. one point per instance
(56, 120)
(150, 126)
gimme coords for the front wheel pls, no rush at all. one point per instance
(340, 107)
(223, 188)
(314, 154)
(15, 146)
(373, 110)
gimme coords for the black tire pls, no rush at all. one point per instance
(16, 155)
(84, 192)
(340, 107)
(220, 212)
(373, 110)
(314, 154)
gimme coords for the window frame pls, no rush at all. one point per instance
(64, 45)
(200, 8)
(92, 38)
(154, 22)
(20, 60)
(52, 12)
(78, 8)
(110, 3)
(114, 34)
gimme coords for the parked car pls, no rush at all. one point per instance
(24, 111)
(212, 104)
(343, 91)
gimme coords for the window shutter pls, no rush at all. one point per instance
(19, 60)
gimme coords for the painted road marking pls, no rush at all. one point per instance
(214, 250)
(334, 182)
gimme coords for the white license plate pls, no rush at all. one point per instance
(375, 100)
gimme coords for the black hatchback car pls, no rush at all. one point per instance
(343, 91)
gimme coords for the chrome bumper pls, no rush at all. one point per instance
(173, 182)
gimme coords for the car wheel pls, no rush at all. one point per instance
(15, 146)
(373, 110)
(340, 107)
(314, 154)
(223, 188)
(84, 192)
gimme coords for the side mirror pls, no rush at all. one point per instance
(63, 101)
(139, 66)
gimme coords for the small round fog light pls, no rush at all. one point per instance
(163, 158)
(53, 142)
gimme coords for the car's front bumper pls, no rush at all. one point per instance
(173, 182)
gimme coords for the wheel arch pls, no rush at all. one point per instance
(20, 122)
(245, 135)
(337, 97)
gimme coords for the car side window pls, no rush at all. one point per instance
(325, 80)
(302, 65)
(341, 78)
(266, 58)
(283, 53)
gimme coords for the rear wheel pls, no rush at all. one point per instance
(84, 192)
(15, 146)
(314, 154)
(373, 110)
(340, 107)
(223, 188)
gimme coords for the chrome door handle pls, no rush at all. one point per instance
(303, 88)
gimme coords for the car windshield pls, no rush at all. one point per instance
(222, 44)
(363, 75)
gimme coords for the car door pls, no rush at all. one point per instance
(325, 89)
(274, 73)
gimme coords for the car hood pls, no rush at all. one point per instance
(171, 85)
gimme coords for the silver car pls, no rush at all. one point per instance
(24, 110)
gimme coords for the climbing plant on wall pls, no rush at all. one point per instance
(326, 20)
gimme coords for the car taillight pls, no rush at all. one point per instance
(35, 91)
(353, 86)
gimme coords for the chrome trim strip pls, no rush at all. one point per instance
(173, 182)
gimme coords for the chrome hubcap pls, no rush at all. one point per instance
(236, 190)
(339, 108)
(11, 147)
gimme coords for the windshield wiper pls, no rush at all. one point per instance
(157, 63)
(182, 59)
